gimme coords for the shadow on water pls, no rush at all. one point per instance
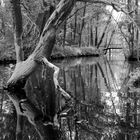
(103, 108)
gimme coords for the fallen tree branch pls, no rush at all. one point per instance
(55, 77)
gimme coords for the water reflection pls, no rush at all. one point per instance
(103, 108)
(97, 84)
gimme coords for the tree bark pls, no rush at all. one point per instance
(75, 24)
(44, 47)
(43, 17)
(91, 34)
(24, 68)
(96, 30)
(17, 24)
(65, 31)
(82, 25)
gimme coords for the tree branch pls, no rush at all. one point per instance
(45, 45)
(55, 77)
(119, 7)
(106, 2)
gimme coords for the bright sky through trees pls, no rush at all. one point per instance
(2, 3)
(117, 15)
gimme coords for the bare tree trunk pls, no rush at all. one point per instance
(75, 24)
(17, 23)
(43, 17)
(65, 30)
(137, 31)
(136, 11)
(88, 40)
(130, 28)
(45, 45)
(82, 25)
(104, 31)
(71, 34)
(25, 68)
(2, 27)
(91, 34)
(110, 39)
(96, 31)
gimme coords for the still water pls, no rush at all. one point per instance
(104, 109)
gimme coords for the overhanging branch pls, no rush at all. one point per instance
(119, 7)
(106, 2)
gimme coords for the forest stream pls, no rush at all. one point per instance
(103, 108)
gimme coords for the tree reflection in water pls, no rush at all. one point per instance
(103, 107)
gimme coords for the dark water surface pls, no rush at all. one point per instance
(103, 110)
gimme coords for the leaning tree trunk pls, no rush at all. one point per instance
(24, 68)
(44, 48)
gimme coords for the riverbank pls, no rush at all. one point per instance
(64, 52)
(9, 55)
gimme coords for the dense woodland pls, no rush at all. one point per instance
(91, 25)
(32, 32)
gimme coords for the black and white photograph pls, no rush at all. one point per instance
(69, 69)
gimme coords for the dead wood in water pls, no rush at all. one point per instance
(24, 68)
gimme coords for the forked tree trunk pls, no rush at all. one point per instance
(44, 47)
(25, 68)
